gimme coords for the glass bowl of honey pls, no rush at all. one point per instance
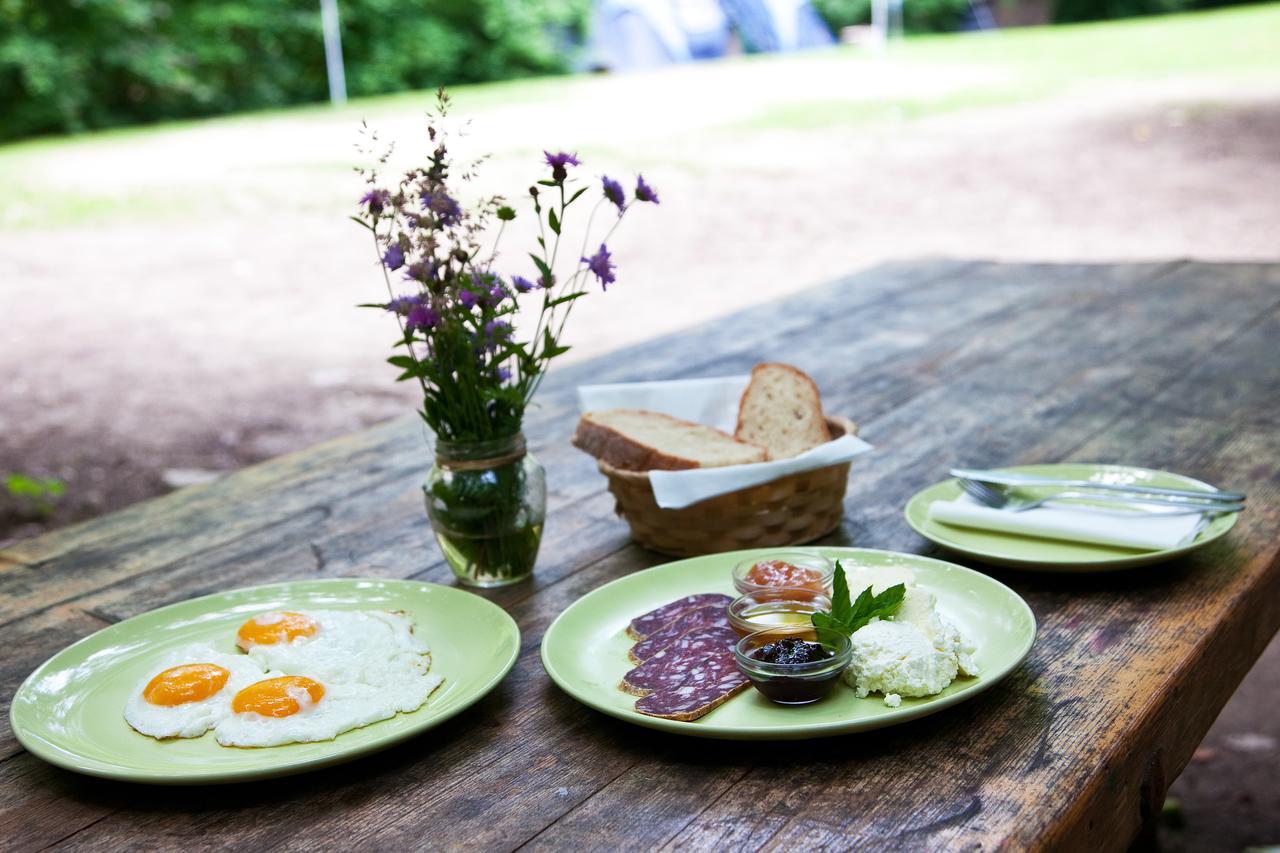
(790, 569)
(776, 607)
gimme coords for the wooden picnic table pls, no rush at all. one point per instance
(1167, 365)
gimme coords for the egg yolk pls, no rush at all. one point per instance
(267, 629)
(277, 697)
(190, 682)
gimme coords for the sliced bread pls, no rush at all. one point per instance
(636, 440)
(781, 411)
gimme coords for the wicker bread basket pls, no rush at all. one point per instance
(791, 510)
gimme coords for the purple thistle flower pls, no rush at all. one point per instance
(403, 304)
(393, 257)
(644, 192)
(443, 206)
(375, 200)
(558, 162)
(602, 265)
(522, 284)
(614, 192)
(421, 318)
(420, 271)
(467, 298)
(497, 329)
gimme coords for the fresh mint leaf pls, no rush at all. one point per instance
(846, 618)
(869, 607)
(840, 609)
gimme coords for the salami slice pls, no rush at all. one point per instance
(706, 616)
(670, 666)
(705, 688)
(642, 626)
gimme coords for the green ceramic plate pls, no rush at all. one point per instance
(1049, 555)
(585, 649)
(70, 710)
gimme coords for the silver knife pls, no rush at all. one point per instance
(1008, 478)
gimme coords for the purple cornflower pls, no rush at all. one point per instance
(496, 294)
(558, 162)
(503, 374)
(375, 200)
(420, 271)
(422, 318)
(444, 206)
(602, 265)
(522, 284)
(614, 192)
(393, 257)
(644, 192)
(467, 298)
(402, 304)
(497, 329)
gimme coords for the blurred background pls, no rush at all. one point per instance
(178, 275)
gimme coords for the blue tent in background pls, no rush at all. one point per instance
(627, 34)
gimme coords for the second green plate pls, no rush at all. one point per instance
(585, 648)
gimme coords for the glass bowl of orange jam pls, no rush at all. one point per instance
(784, 569)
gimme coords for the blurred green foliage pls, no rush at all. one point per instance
(921, 16)
(918, 16)
(68, 65)
(36, 496)
(1070, 11)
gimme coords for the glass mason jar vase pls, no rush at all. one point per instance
(487, 501)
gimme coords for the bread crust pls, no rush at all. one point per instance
(621, 451)
(798, 374)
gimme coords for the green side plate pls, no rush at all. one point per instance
(585, 648)
(1051, 555)
(70, 711)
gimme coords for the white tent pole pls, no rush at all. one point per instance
(333, 52)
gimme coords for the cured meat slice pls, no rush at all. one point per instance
(642, 626)
(706, 616)
(670, 666)
(708, 685)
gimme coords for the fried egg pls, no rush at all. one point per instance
(295, 708)
(373, 647)
(189, 692)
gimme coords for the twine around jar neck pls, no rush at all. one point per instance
(479, 455)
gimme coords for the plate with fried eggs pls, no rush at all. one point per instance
(265, 681)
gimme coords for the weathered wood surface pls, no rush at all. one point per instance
(1167, 365)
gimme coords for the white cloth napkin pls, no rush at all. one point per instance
(1147, 529)
(713, 402)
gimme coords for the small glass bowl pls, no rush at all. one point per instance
(776, 607)
(791, 683)
(823, 568)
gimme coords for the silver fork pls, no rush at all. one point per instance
(999, 497)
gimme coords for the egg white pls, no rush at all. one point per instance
(191, 719)
(344, 706)
(371, 647)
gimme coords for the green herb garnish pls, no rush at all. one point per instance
(846, 617)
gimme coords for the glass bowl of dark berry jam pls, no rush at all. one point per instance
(789, 666)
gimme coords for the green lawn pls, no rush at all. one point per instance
(61, 181)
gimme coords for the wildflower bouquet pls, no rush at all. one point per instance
(456, 313)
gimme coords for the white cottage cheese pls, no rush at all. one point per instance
(917, 653)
